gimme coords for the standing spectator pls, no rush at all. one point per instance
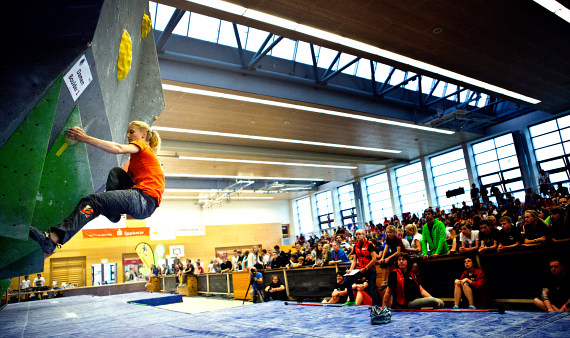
(544, 182)
(326, 254)
(562, 191)
(26, 283)
(405, 289)
(474, 193)
(509, 236)
(235, 260)
(560, 228)
(555, 294)
(488, 237)
(472, 284)
(318, 254)
(215, 267)
(340, 292)
(414, 238)
(254, 259)
(226, 265)
(395, 246)
(365, 260)
(469, 238)
(275, 290)
(496, 192)
(40, 281)
(283, 259)
(536, 232)
(434, 236)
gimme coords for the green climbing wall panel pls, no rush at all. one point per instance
(21, 163)
(64, 181)
(4, 285)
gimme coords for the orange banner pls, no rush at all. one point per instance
(116, 232)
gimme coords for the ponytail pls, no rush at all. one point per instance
(152, 137)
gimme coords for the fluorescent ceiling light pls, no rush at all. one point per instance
(204, 198)
(318, 33)
(264, 17)
(273, 139)
(231, 160)
(300, 107)
(174, 190)
(244, 177)
(556, 8)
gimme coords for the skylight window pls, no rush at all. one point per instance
(284, 49)
(255, 39)
(163, 15)
(204, 28)
(182, 26)
(363, 69)
(326, 57)
(344, 59)
(227, 36)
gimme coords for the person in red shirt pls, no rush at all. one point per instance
(471, 284)
(365, 261)
(137, 191)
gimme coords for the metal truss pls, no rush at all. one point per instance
(381, 89)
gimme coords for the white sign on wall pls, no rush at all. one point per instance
(78, 77)
(190, 230)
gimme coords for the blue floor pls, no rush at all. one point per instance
(111, 316)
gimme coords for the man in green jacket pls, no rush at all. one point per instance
(433, 234)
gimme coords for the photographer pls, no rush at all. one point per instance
(256, 281)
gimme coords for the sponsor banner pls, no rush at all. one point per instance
(190, 230)
(117, 232)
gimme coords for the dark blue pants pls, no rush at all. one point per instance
(370, 290)
(118, 199)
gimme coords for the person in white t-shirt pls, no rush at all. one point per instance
(39, 281)
(26, 283)
(469, 238)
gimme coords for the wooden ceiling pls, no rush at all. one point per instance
(513, 44)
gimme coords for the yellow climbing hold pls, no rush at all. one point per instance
(125, 56)
(146, 24)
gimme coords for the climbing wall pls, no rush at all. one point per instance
(41, 181)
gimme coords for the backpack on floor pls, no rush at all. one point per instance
(380, 315)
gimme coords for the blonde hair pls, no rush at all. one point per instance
(413, 228)
(391, 228)
(152, 137)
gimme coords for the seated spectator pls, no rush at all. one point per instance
(198, 268)
(165, 270)
(180, 272)
(275, 290)
(560, 228)
(266, 257)
(395, 246)
(472, 284)
(488, 237)
(509, 236)
(154, 271)
(555, 294)
(256, 280)
(469, 238)
(544, 215)
(414, 239)
(283, 258)
(405, 289)
(244, 261)
(344, 245)
(536, 232)
(563, 200)
(340, 293)
(226, 265)
(295, 261)
(188, 270)
(359, 288)
(300, 251)
(338, 256)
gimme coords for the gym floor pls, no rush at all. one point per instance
(213, 316)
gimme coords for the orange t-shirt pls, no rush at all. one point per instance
(145, 170)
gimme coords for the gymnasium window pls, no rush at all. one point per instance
(379, 198)
(551, 144)
(304, 216)
(325, 210)
(497, 164)
(347, 205)
(449, 172)
(412, 188)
